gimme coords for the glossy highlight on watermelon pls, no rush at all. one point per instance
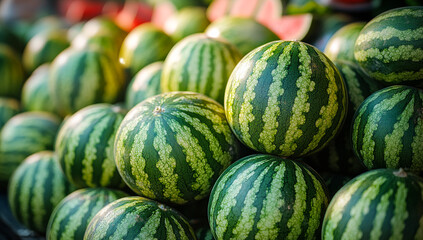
(285, 98)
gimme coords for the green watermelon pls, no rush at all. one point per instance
(43, 48)
(201, 64)
(79, 78)
(172, 147)
(10, 38)
(35, 93)
(72, 215)
(317, 7)
(285, 98)
(101, 42)
(9, 107)
(144, 45)
(138, 218)
(145, 84)
(24, 134)
(339, 155)
(11, 72)
(390, 46)
(388, 129)
(341, 44)
(102, 25)
(185, 22)
(35, 188)
(84, 146)
(379, 204)
(267, 197)
(245, 33)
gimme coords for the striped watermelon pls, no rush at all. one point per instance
(388, 129)
(35, 188)
(138, 218)
(379, 204)
(187, 21)
(72, 215)
(245, 33)
(201, 64)
(24, 134)
(84, 146)
(172, 147)
(79, 78)
(267, 197)
(43, 48)
(339, 155)
(103, 25)
(145, 84)
(341, 44)
(144, 45)
(100, 42)
(35, 93)
(9, 107)
(390, 46)
(285, 98)
(11, 72)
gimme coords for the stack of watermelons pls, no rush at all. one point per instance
(224, 119)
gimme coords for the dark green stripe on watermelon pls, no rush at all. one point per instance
(138, 218)
(379, 204)
(388, 129)
(11, 72)
(9, 107)
(285, 98)
(35, 188)
(267, 197)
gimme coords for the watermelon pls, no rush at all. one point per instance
(35, 93)
(339, 155)
(144, 45)
(172, 147)
(72, 215)
(145, 84)
(390, 46)
(100, 42)
(84, 146)
(9, 107)
(10, 38)
(388, 129)
(79, 78)
(185, 22)
(24, 134)
(285, 98)
(341, 44)
(49, 23)
(138, 218)
(379, 204)
(245, 33)
(11, 72)
(43, 48)
(74, 31)
(317, 7)
(267, 197)
(35, 188)
(201, 64)
(101, 26)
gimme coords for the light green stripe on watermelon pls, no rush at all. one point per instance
(400, 12)
(246, 219)
(267, 136)
(230, 200)
(375, 116)
(417, 140)
(300, 202)
(330, 110)
(268, 222)
(381, 214)
(404, 52)
(362, 208)
(166, 164)
(389, 33)
(301, 105)
(249, 94)
(400, 216)
(393, 139)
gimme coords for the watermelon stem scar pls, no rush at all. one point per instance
(400, 173)
(157, 110)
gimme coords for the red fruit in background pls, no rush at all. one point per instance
(133, 14)
(80, 10)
